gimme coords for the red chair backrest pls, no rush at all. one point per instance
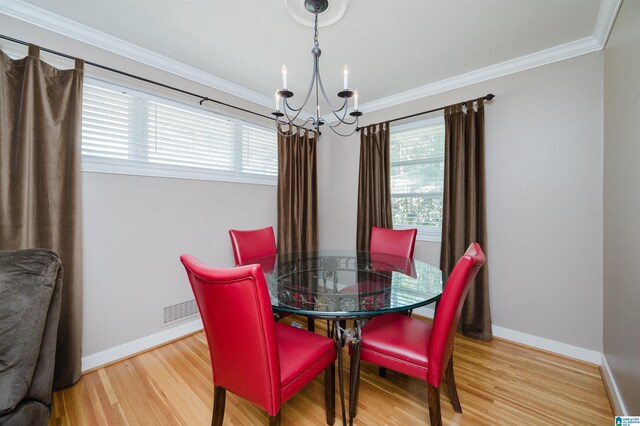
(236, 313)
(396, 242)
(252, 244)
(446, 319)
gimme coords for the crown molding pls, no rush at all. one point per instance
(66, 27)
(605, 20)
(543, 57)
(72, 29)
(603, 25)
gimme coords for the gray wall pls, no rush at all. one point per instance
(544, 196)
(136, 228)
(622, 203)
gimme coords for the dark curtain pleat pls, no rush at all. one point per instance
(40, 134)
(464, 208)
(374, 183)
(297, 191)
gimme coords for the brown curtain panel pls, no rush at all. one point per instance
(40, 130)
(464, 212)
(374, 183)
(297, 190)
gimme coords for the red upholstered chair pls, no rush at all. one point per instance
(396, 242)
(256, 243)
(252, 244)
(252, 356)
(420, 349)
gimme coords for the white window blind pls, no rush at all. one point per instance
(130, 132)
(417, 176)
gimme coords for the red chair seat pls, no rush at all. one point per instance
(397, 342)
(303, 356)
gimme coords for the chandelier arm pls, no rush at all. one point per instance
(306, 98)
(290, 120)
(345, 122)
(326, 98)
(289, 107)
(355, 129)
(286, 104)
(344, 107)
(296, 110)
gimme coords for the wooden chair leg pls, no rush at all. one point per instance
(451, 386)
(274, 420)
(330, 393)
(219, 397)
(382, 372)
(433, 396)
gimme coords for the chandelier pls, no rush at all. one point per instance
(286, 114)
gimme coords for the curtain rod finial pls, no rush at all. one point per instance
(490, 96)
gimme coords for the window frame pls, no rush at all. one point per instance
(94, 164)
(425, 233)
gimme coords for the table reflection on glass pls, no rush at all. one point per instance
(345, 284)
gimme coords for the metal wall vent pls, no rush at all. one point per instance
(180, 311)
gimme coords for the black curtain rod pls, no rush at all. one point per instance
(146, 80)
(486, 98)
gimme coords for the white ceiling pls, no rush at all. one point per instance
(401, 48)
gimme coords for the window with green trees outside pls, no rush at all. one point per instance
(417, 176)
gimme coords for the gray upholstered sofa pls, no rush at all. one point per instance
(30, 288)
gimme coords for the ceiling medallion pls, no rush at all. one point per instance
(300, 13)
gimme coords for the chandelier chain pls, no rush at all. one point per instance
(315, 36)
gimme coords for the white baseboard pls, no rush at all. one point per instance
(619, 408)
(543, 343)
(131, 348)
(554, 346)
(128, 349)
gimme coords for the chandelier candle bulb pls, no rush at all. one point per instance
(277, 101)
(346, 77)
(284, 77)
(355, 100)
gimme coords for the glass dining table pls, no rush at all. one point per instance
(340, 285)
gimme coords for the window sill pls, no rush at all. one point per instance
(171, 173)
(429, 238)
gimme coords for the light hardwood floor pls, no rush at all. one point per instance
(499, 383)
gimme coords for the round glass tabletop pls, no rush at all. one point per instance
(346, 284)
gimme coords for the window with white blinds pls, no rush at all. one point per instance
(417, 176)
(130, 132)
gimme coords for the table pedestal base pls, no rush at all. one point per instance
(341, 336)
